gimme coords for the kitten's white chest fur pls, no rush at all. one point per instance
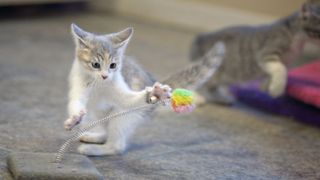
(112, 92)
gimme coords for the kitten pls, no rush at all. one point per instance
(101, 71)
(259, 51)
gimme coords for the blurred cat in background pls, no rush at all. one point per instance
(259, 51)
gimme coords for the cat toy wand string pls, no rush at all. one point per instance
(81, 131)
(181, 100)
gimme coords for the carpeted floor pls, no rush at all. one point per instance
(213, 143)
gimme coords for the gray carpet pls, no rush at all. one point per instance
(213, 143)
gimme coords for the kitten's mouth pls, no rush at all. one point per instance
(313, 33)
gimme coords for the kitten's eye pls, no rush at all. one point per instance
(95, 65)
(113, 65)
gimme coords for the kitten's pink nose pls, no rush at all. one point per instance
(104, 76)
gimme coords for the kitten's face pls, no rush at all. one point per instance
(101, 55)
(310, 18)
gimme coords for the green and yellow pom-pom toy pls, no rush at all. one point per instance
(182, 101)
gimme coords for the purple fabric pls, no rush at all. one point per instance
(284, 105)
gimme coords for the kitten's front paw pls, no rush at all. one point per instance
(277, 89)
(274, 88)
(73, 120)
(158, 92)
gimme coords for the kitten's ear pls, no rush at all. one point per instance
(122, 38)
(305, 11)
(79, 35)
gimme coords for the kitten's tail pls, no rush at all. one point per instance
(198, 73)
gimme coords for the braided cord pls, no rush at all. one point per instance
(80, 132)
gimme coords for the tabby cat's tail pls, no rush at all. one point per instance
(198, 73)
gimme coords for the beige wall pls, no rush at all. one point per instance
(201, 15)
(271, 7)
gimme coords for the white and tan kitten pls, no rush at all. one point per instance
(102, 74)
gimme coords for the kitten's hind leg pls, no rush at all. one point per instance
(94, 150)
(119, 130)
(96, 135)
(277, 76)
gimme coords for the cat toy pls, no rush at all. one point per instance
(182, 101)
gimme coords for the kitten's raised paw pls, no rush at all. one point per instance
(99, 150)
(158, 92)
(73, 120)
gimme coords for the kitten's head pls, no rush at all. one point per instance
(310, 18)
(101, 55)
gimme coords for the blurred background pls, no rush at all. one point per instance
(238, 142)
(195, 15)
